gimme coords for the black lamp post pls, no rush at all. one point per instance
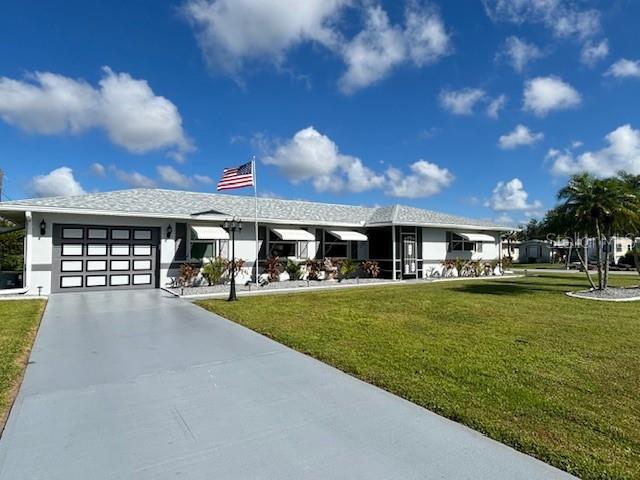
(231, 226)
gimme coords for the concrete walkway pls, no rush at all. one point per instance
(141, 385)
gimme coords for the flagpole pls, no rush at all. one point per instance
(255, 193)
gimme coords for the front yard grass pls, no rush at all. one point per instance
(19, 320)
(553, 376)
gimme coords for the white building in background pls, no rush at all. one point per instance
(138, 238)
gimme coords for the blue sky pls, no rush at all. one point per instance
(480, 108)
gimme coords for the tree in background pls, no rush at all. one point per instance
(604, 208)
(633, 184)
(11, 248)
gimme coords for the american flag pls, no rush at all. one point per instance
(238, 177)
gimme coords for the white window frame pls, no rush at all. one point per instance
(219, 246)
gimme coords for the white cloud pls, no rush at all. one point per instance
(128, 110)
(519, 53)
(204, 179)
(461, 102)
(375, 51)
(170, 175)
(58, 182)
(495, 105)
(232, 32)
(504, 219)
(98, 169)
(310, 155)
(562, 17)
(520, 135)
(545, 94)
(511, 195)
(426, 179)
(134, 179)
(592, 52)
(624, 68)
(622, 153)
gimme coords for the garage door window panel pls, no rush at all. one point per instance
(142, 279)
(120, 250)
(118, 280)
(72, 233)
(142, 250)
(97, 250)
(142, 264)
(71, 281)
(96, 265)
(71, 250)
(117, 234)
(97, 234)
(71, 266)
(142, 235)
(119, 265)
(96, 281)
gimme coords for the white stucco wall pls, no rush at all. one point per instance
(434, 249)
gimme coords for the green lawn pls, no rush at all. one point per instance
(556, 266)
(553, 376)
(19, 320)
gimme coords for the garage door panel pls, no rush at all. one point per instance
(104, 257)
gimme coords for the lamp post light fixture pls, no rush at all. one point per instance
(232, 226)
(169, 231)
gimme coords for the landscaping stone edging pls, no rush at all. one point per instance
(600, 299)
(332, 286)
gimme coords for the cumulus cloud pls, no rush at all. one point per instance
(310, 155)
(127, 109)
(171, 176)
(426, 179)
(379, 47)
(461, 102)
(98, 169)
(520, 135)
(511, 195)
(495, 105)
(204, 179)
(234, 34)
(545, 94)
(593, 52)
(622, 153)
(133, 179)
(518, 53)
(563, 18)
(58, 182)
(624, 68)
(314, 157)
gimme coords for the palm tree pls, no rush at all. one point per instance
(632, 182)
(559, 225)
(609, 206)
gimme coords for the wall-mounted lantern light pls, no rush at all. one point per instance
(43, 227)
(169, 231)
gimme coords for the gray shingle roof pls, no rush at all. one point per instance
(158, 202)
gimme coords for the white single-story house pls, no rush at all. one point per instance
(138, 238)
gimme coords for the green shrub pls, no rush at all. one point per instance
(293, 269)
(347, 268)
(214, 270)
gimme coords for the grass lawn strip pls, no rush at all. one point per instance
(550, 375)
(19, 321)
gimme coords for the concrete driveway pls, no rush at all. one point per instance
(140, 385)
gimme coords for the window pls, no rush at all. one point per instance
(209, 249)
(479, 247)
(618, 247)
(334, 247)
(281, 248)
(456, 243)
(97, 233)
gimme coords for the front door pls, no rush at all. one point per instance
(409, 256)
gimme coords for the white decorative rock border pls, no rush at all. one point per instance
(584, 297)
